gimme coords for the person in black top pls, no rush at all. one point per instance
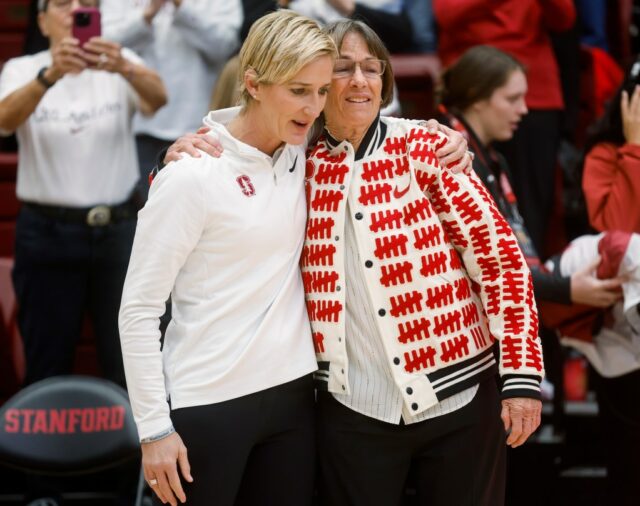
(483, 97)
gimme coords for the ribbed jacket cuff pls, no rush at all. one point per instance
(516, 385)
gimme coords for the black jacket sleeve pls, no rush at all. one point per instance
(551, 286)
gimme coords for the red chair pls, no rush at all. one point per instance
(11, 352)
(14, 15)
(69, 426)
(416, 76)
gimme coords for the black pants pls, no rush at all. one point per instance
(531, 156)
(458, 458)
(255, 450)
(61, 271)
(619, 412)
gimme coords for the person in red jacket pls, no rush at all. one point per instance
(520, 28)
(611, 176)
(611, 185)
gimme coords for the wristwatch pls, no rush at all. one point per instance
(43, 80)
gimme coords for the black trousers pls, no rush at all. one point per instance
(256, 450)
(458, 459)
(61, 271)
(531, 156)
(619, 413)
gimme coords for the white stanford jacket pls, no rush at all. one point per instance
(443, 268)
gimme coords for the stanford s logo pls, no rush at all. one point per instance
(246, 185)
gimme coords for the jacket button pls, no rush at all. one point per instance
(409, 390)
(344, 388)
(342, 187)
(337, 238)
(396, 361)
(359, 216)
(414, 406)
(382, 312)
(368, 264)
(338, 288)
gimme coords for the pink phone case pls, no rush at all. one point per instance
(86, 24)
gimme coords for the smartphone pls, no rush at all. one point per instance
(86, 24)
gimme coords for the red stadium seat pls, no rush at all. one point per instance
(416, 76)
(14, 15)
(11, 353)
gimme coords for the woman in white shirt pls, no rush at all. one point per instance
(224, 236)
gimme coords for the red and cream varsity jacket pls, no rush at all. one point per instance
(445, 275)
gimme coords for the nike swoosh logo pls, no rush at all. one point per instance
(293, 167)
(399, 193)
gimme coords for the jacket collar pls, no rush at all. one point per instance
(371, 141)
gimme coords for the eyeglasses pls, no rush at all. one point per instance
(369, 68)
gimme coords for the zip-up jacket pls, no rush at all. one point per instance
(443, 268)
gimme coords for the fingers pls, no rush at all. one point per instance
(516, 429)
(185, 467)
(465, 164)
(172, 156)
(624, 105)
(192, 145)
(525, 415)
(154, 483)
(505, 416)
(203, 130)
(453, 151)
(431, 126)
(165, 489)
(68, 57)
(176, 486)
(634, 105)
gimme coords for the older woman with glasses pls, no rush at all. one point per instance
(411, 274)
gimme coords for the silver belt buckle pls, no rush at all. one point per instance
(99, 216)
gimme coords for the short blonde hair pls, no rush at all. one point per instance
(278, 46)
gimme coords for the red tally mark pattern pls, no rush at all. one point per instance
(418, 360)
(416, 245)
(470, 219)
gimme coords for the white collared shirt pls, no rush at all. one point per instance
(374, 392)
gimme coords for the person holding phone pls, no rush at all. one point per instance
(71, 107)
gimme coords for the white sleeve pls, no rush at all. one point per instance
(124, 23)
(15, 74)
(211, 27)
(169, 227)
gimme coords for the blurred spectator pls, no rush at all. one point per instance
(592, 15)
(611, 183)
(611, 177)
(388, 18)
(72, 109)
(483, 97)
(424, 30)
(253, 10)
(483, 94)
(187, 42)
(520, 28)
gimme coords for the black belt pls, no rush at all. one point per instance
(96, 216)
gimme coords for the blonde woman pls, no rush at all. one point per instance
(224, 236)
